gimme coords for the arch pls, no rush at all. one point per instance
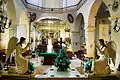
(93, 12)
(50, 17)
(79, 22)
(79, 27)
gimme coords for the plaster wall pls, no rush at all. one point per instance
(51, 3)
(24, 23)
(114, 36)
(4, 37)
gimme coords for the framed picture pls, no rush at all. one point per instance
(70, 18)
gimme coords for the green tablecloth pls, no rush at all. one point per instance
(46, 54)
(49, 58)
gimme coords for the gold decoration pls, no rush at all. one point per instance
(67, 40)
(67, 30)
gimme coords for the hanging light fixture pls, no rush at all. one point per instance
(5, 23)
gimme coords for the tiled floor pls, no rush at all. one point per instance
(41, 69)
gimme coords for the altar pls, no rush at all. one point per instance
(48, 57)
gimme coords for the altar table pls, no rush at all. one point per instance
(48, 58)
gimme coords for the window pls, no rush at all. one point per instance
(36, 2)
(61, 3)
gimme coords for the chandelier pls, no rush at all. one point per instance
(5, 23)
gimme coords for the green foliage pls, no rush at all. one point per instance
(62, 61)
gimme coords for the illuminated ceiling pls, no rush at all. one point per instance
(51, 25)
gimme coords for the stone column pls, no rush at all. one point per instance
(90, 38)
(13, 30)
(34, 39)
(75, 41)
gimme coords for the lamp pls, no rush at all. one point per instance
(32, 16)
(116, 27)
(5, 23)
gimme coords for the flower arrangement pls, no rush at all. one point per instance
(62, 61)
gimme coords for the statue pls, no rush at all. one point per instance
(11, 46)
(105, 52)
(49, 46)
(23, 66)
(111, 51)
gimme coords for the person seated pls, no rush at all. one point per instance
(56, 47)
(83, 48)
(44, 46)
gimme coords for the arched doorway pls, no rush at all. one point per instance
(51, 29)
(102, 23)
(98, 19)
(79, 28)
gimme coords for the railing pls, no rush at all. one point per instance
(53, 10)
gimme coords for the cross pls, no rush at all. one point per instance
(60, 43)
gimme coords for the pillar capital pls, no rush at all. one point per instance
(90, 28)
(75, 32)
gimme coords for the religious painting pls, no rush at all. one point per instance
(104, 31)
(70, 18)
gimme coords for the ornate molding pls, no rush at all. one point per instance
(113, 18)
(77, 32)
(90, 28)
(115, 5)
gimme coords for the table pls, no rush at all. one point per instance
(53, 73)
(46, 54)
(48, 58)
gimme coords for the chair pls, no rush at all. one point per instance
(70, 55)
(80, 54)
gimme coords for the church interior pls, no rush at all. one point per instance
(60, 39)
